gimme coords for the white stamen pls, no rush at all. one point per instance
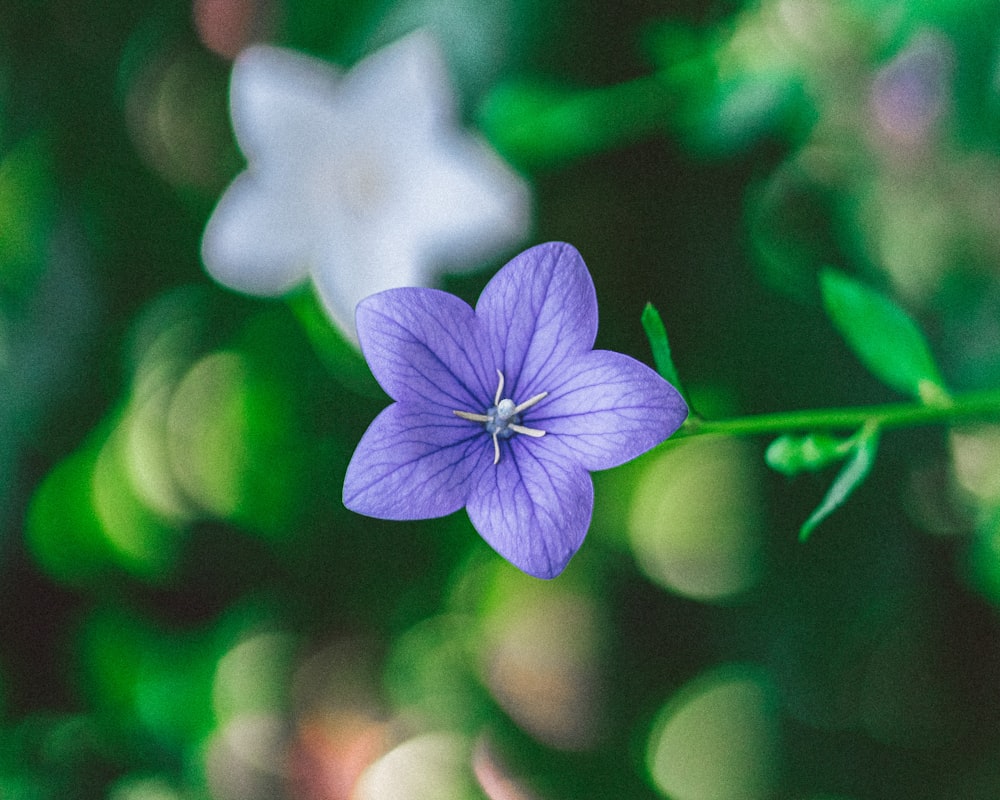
(534, 432)
(471, 417)
(530, 402)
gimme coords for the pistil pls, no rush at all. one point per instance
(503, 417)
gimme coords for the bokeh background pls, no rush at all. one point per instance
(188, 612)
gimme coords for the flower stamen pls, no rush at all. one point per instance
(530, 402)
(470, 416)
(503, 418)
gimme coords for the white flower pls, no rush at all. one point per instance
(362, 181)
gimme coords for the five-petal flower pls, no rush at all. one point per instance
(362, 181)
(504, 409)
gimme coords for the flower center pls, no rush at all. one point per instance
(363, 184)
(503, 419)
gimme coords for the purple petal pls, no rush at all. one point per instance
(426, 346)
(604, 409)
(415, 462)
(532, 508)
(539, 310)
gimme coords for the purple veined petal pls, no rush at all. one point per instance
(415, 462)
(539, 310)
(605, 409)
(278, 95)
(253, 243)
(427, 346)
(533, 507)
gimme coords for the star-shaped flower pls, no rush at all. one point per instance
(504, 409)
(362, 181)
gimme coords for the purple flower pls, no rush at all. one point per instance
(503, 409)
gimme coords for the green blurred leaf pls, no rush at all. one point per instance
(341, 357)
(652, 323)
(669, 43)
(429, 673)
(62, 531)
(27, 209)
(882, 335)
(536, 124)
(848, 479)
(791, 455)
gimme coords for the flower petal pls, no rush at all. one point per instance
(362, 263)
(253, 242)
(426, 346)
(276, 96)
(472, 204)
(539, 310)
(606, 408)
(415, 462)
(533, 507)
(403, 87)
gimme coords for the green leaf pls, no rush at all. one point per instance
(657, 334)
(883, 336)
(848, 479)
(791, 455)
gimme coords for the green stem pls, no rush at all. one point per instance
(968, 406)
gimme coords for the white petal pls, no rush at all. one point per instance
(471, 203)
(403, 88)
(279, 99)
(451, 194)
(254, 243)
(366, 263)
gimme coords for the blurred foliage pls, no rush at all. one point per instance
(188, 611)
